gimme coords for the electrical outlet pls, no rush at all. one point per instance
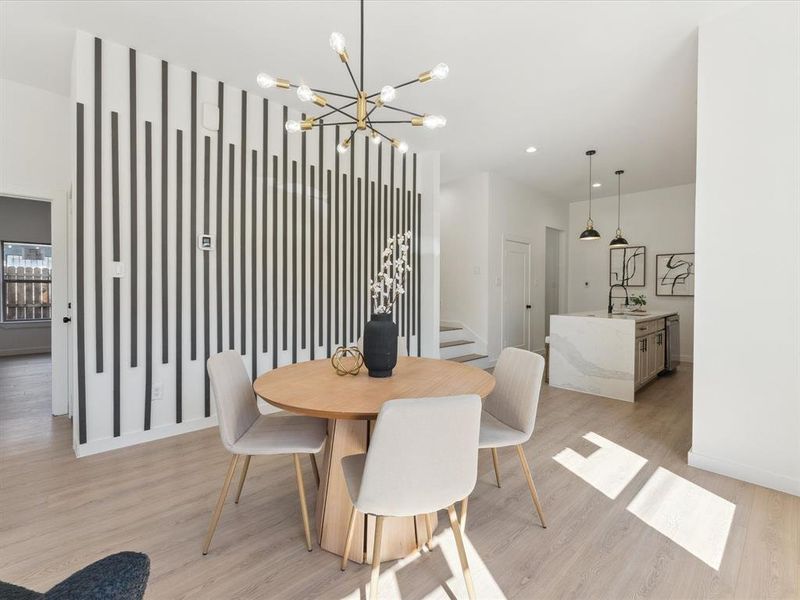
(157, 391)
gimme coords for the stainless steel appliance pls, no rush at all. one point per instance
(673, 350)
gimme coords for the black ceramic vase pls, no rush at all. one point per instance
(380, 345)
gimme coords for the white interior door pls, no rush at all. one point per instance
(516, 294)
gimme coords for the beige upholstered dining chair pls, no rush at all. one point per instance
(402, 350)
(509, 413)
(423, 456)
(246, 432)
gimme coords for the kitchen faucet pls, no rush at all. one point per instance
(611, 297)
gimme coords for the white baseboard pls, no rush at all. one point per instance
(139, 437)
(745, 473)
(25, 351)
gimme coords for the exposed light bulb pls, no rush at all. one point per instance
(530, 149)
(375, 139)
(304, 93)
(342, 147)
(388, 94)
(440, 71)
(402, 147)
(434, 121)
(292, 126)
(337, 42)
(266, 81)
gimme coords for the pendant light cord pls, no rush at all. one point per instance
(590, 187)
(619, 196)
(362, 44)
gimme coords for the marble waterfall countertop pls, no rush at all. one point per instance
(636, 317)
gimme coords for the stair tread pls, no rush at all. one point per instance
(448, 328)
(454, 343)
(467, 358)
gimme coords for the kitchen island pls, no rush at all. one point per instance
(607, 355)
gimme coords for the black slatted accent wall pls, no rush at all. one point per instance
(298, 232)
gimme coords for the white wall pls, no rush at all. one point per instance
(747, 350)
(662, 220)
(464, 207)
(35, 163)
(520, 213)
(478, 212)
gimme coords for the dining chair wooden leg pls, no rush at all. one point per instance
(302, 491)
(527, 470)
(496, 463)
(429, 528)
(349, 539)
(241, 478)
(314, 467)
(462, 553)
(220, 503)
(464, 505)
(376, 559)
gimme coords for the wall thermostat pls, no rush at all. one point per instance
(205, 241)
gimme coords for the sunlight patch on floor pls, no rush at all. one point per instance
(694, 518)
(444, 542)
(609, 468)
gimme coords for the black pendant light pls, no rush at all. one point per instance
(619, 241)
(590, 233)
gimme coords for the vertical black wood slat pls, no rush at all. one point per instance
(98, 202)
(206, 269)
(148, 278)
(193, 221)
(351, 301)
(336, 188)
(363, 252)
(398, 307)
(274, 262)
(357, 233)
(231, 253)
(409, 276)
(134, 170)
(419, 295)
(164, 212)
(179, 277)
(415, 242)
(328, 265)
(344, 298)
(116, 258)
(384, 228)
(320, 197)
(264, 225)
(303, 240)
(312, 294)
(372, 262)
(218, 251)
(285, 229)
(403, 228)
(79, 272)
(254, 265)
(376, 265)
(243, 228)
(294, 260)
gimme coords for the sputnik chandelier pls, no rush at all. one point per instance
(365, 104)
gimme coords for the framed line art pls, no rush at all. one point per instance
(626, 266)
(675, 274)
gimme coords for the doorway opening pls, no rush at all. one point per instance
(554, 274)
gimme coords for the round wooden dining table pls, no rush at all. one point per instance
(351, 403)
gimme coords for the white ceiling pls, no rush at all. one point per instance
(562, 76)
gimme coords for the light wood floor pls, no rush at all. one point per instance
(58, 513)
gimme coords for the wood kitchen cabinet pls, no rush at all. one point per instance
(650, 351)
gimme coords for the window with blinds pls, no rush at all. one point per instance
(26, 291)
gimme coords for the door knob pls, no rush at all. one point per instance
(66, 319)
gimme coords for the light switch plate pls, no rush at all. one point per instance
(210, 116)
(117, 269)
(205, 241)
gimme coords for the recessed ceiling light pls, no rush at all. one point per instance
(596, 184)
(530, 149)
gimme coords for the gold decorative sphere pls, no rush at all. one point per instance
(347, 361)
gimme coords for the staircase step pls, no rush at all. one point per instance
(454, 343)
(448, 328)
(467, 358)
